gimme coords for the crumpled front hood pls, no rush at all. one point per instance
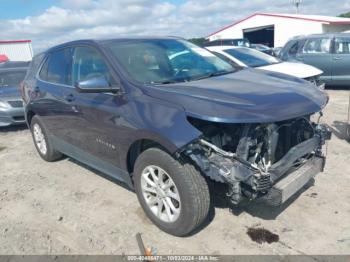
(295, 69)
(9, 92)
(246, 96)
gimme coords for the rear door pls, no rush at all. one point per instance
(316, 51)
(54, 76)
(341, 61)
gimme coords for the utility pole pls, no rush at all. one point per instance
(297, 4)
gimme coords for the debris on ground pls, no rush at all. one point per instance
(262, 235)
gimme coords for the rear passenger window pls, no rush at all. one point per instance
(342, 45)
(57, 68)
(317, 46)
(88, 63)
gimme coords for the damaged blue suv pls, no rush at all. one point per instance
(166, 117)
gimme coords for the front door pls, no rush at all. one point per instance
(317, 52)
(95, 119)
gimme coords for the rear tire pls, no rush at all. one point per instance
(42, 141)
(176, 188)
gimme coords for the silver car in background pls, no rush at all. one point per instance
(247, 57)
(11, 105)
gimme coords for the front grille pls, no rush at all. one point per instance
(16, 103)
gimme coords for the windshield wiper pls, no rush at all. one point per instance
(212, 74)
(170, 81)
(165, 82)
(219, 73)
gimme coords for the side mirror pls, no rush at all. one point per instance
(95, 85)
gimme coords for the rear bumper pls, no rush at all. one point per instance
(11, 116)
(294, 181)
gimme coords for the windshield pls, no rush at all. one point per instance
(251, 57)
(11, 78)
(164, 61)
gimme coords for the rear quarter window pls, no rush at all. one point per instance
(34, 65)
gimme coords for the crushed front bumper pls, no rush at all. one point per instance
(293, 182)
(277, 184)
(284, 178)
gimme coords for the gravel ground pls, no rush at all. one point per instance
(66, 208)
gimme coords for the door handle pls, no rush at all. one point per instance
(336, 58)
(69, 98)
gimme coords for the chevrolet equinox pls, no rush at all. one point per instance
(166, 117)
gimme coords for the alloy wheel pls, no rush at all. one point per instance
(39, 139)
(160, 193)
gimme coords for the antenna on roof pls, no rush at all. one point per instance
(297, 3)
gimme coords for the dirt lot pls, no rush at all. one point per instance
(65, 208)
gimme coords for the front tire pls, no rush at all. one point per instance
(42, 141)
(174, 195)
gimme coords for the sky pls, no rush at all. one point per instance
(50, 22)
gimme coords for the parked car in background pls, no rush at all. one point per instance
(165, 124)
(262, 48)
(248, 57)
(11, 105)
(229, 42)
(329, 52)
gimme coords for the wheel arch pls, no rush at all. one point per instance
(29, 116)
(139, 146)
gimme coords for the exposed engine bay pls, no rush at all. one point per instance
(251, 158)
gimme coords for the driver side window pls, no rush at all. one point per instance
(317, 46)
(88, 63)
